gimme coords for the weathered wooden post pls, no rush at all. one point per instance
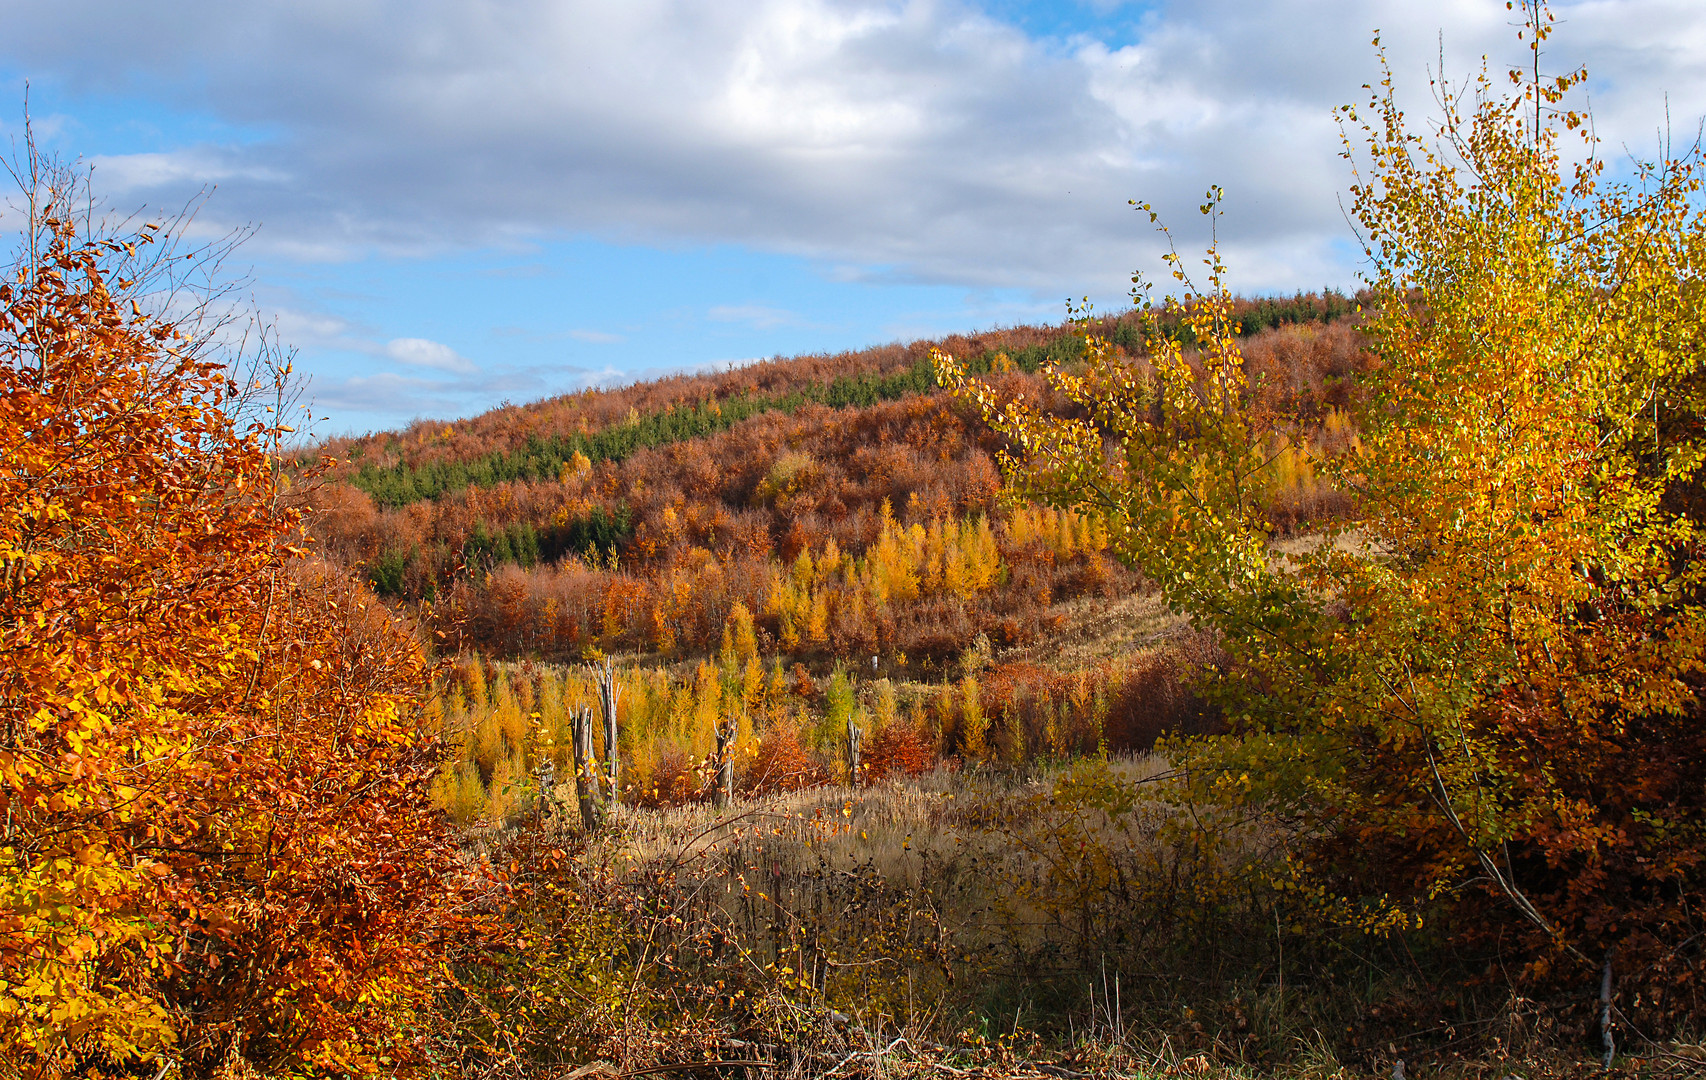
(855, 737)
(547, 780)
(607, 699)
(586, 768)
(726, 762)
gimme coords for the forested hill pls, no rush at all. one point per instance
(636, 518)
(432, 458)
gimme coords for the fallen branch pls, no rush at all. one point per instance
(688, 1066)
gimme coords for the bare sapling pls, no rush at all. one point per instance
(608, 695)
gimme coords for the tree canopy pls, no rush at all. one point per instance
(217, 847)
(1478, 701)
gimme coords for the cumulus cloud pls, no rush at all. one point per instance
(419, 352)
(920, 140)
(317, 329)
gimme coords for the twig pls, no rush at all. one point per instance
(688, 1066)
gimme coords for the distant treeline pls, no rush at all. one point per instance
(544, 457)
(1253, 316)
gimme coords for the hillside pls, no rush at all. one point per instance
(800, 541)
(633, 520)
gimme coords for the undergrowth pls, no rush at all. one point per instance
(1054, 919)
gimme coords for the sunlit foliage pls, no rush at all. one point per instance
(1483, 696)
(216, 845)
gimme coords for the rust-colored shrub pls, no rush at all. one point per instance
(782, 764)
(673, 779)
(895, 751)
(219, 851)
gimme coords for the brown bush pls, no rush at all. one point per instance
(897, 750)
(781, 764)
(673, 782)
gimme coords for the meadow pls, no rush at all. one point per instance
(1063, 918)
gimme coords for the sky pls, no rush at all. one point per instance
(456, 203)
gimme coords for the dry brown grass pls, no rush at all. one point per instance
(919, 927)
(1094, 629)
(890, 827)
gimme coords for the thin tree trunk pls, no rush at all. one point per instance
(1606, 1037)
(855, 737)
(586, 769)
(608, 694)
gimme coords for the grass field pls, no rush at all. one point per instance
(1063, 919)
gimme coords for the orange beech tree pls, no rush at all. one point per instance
(1479, 703)
(216, 849)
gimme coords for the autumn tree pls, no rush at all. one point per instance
(1480, 700)
(217, 851)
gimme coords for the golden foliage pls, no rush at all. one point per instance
(1494, 678)
(217, 847)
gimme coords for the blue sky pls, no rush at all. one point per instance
(460, 202)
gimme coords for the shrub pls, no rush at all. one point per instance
(897, 750)
(782, 763)
(1480, 708)
(218, 845)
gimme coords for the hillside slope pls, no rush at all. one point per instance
(785, 549)
(806, 490)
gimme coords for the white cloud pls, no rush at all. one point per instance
(304, 327)
(595, 337)
(386, 393)
(419, 352)
(309, 328)
(399, 396)
(120, 174)
(913, 139)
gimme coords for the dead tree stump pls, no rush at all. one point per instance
(725, 762)
(586, 768)
(855, 738)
